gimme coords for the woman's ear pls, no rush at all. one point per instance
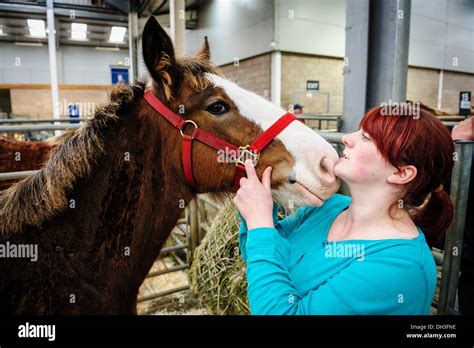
(403, 175)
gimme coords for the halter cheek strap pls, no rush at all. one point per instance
(243, 152)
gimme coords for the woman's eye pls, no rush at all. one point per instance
(218, 108)
(364, 137)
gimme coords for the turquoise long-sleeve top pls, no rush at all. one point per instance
(293, 270)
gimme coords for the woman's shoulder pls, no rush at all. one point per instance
(404, 252)
(335, 202)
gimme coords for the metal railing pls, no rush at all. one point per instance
(310, 119)
(459, 192)
(34, 128)
(40, 120)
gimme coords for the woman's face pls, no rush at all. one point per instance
(361, 162)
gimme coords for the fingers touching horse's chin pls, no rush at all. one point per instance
(295, 195)
(304, 188)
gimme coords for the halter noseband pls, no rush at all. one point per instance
(244, 152)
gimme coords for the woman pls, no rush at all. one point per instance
(365, 254)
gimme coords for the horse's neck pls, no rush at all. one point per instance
(125, 210)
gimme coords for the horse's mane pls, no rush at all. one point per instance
(38, 197)
(33, 200)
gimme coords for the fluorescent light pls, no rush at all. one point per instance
(36, 27)
(1, 30)
(117, 34)
(78, 31)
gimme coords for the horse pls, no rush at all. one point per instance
(86, 228)
(17, 155)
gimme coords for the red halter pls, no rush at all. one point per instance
(244, 152)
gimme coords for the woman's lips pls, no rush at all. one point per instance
(313, 198)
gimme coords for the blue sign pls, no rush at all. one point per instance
(73, 111)
(119, 75)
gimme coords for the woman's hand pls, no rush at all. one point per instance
(254, 198)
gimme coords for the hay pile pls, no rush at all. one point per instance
(217, 273)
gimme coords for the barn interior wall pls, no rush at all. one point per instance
(297, 69)
(76, 65)
(441, 31)
(83, 67)
(252, 74)
(422, 84)
(37, 102)
(235, 29)
(453, 83)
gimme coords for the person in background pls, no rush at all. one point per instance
(298, 110)
(464, 131)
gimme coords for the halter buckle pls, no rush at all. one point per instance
(245, 154)
(184, 125)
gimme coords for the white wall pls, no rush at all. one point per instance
(442, 30)
(21, 64)
(241, 29)
(76, 65)
(88, 66)
(311, 26)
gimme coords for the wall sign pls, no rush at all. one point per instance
(119, 75)
(312, 85)
(464, 103)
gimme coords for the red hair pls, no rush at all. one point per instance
(419, 139)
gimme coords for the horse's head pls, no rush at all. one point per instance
(302, 160)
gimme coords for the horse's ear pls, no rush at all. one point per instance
(204, 53)
(158, 54)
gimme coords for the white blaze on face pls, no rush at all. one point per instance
(306, 147)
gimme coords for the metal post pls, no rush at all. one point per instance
(178, 25)
(35, 128)
(355, 63)
(440, 89)
(276, 78)
(389, 30)
(194, 228)
(52, 59)
(454, 237)
(132, 41)
(377, 37)
(40, 120)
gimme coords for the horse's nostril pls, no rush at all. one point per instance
(292, 178)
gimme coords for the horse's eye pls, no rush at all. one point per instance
(218, 108)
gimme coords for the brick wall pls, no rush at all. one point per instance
(37, 102)
(253, 74)
(296, 69)
(453, 83)
(422, 86)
